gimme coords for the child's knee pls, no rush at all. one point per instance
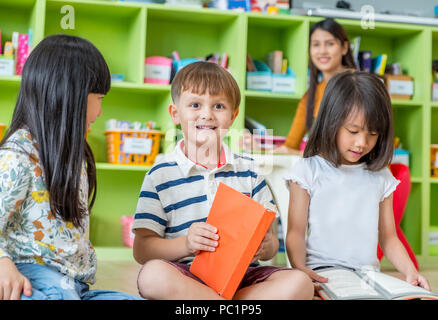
(295, 285)
(303, 285)
(153, 279)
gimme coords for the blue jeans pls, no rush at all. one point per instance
(49, 284)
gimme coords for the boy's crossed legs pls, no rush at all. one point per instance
(160, 279)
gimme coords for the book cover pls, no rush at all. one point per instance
(242, 224)
(274, 61)
(365, 60)
(355, 45)
(379, 64)
(347, 284)
(250, 67)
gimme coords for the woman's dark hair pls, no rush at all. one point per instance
(57, 77)
(339, 33)
(349, 92)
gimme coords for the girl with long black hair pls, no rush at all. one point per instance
(48, 183)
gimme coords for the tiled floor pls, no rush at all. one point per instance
(122, 276)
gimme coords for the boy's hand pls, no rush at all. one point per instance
(201, 236)
(12, 282)
(263, 248)
(417, 279)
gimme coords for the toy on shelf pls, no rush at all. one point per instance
(132, 143)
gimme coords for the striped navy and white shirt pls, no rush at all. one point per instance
(177, 192)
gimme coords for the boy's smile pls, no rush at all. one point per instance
(204, 119)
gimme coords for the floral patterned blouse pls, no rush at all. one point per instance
(29, 232)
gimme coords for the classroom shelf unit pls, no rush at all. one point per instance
(126, 33)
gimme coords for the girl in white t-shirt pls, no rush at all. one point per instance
(341, 191)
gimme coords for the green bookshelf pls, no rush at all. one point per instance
(127, 33)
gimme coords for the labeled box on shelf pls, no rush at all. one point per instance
(7, 65)
(399, 86)
(260, 80)
(134, 147)
(264, 80)
(284, 83)
(179, 64)
(400, 156)
(157, 70)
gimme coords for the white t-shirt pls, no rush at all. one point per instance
(343, 211)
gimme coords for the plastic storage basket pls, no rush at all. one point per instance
(134, 147)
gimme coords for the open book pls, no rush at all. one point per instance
(345, 284)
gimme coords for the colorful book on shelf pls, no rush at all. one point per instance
(250, 66)
(355, 45)
(379, 64)
(224, 60)
(284, 66)
(274, 60)
(254, 126)
(242, 224)
(175, 55)
(365, 60)
(347, 284)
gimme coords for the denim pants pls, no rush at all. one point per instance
(49, 284)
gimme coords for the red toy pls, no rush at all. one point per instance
(400, 199)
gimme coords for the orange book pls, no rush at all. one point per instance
(242, 224)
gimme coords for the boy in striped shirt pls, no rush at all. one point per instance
(177, 193)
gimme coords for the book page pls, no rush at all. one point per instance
(346, 284)
(394, 286)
